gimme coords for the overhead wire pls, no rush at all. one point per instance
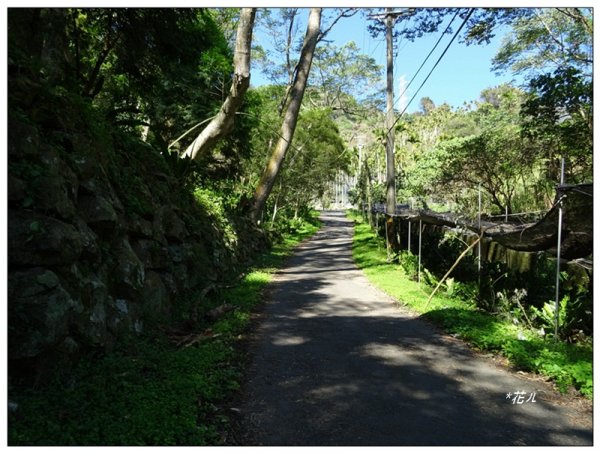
(433, 68)
(427, 57)
(396, 57)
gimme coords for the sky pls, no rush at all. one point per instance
(461, 75)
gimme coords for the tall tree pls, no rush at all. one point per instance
(554, 48)
(547, 39)
(558, 114)
(342, 77)
(281, 26)
(222, 124)
(496, 157)
(288, 126)
(319, 154)
(426, 105)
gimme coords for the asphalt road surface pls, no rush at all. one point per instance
(337, 362)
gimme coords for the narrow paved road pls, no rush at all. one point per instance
(337, 362)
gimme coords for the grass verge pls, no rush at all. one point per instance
(568, 365)
(148, 391)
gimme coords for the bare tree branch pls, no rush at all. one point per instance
(348, 12)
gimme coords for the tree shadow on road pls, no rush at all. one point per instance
(331, 369)
(327, 379)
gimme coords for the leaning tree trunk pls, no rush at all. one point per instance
(222, 124)
(290, 119)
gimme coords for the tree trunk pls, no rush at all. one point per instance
(222, 124)
(288, 126)
(288, 60)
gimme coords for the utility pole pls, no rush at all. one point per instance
(389, 116)
(389, 18)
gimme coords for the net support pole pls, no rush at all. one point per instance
(411, 206)
(388, 222)
(479, 244)
(559, 240)
(420, 233)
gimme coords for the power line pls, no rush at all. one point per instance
(427, 57)
(433, 68)
(398, 53)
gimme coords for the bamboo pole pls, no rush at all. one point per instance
(462, 255)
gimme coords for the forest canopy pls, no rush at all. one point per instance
(129, 65)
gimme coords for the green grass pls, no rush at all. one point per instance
(568, 365)
(149, 392)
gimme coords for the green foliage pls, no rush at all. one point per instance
(553, 46)
(568, 365)
(106, 50)
(128, 65)
(409, 263)
(548, 317)
(550, 37)
(509, 143)
(316, 155)
(214, 205)
(341, 76)
(495, 158)
(147, 394)
(558, 114)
